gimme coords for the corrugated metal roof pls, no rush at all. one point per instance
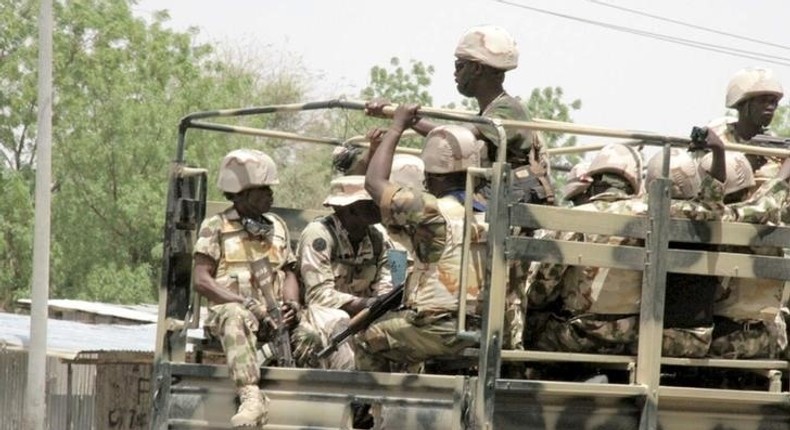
(68, 338)
(142, 313)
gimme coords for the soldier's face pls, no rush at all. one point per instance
(464, 77)
(760, 110)
(259, 200)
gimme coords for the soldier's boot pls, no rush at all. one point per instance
(253, 410)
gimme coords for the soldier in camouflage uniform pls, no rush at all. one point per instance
(425, 328)
(342, 263)
(483, 56)
(591, 309)
(240, 253)
(755, 94)
(688, 308)
(747, 311)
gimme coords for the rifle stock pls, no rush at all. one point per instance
(365, 318)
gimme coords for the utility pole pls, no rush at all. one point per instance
(35, 416)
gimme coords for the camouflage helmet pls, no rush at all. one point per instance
(579, 181)
(408, 171)
(739, 171)
(489, 45)
(346, 190)
(683, 172)
(622, 160)
(749, 83)
(246, 168)
(451, 148)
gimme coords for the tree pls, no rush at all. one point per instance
(121, 85)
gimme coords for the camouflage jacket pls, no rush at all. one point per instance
(435, 226)
(238, 254)
(332, 273)
(523, 146)
(764, 167)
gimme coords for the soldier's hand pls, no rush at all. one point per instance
(375, 108)
(374, 136)
(714, 141)
(261, 313)
(290, 311)
(405, 115)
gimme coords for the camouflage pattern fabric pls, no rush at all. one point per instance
(686, 342)
(223, 238)
(236, 329)
(524, 148)
(764, 168)
(490, 45)
(333, 274)
(589, 334)
(406, 337)
(751, 341)
(427, 327)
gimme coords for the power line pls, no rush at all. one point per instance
(774, 59)
(688, 24)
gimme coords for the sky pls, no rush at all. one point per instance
(624, 80)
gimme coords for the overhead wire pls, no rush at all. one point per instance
(688, 24)
(773, 59)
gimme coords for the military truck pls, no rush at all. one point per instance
(191, 394)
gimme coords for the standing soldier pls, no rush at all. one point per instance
(242, 256)
(342, 262)
(755, 94)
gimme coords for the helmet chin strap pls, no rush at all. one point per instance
(261, 227)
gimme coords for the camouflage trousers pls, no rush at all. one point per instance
(236, 329)
(316, 326)
(514, 306)
(686, 342)
(589, 334)
(406, 337)
(750, 342)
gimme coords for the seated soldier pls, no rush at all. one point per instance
(242, 258)
(688, 306)
(591, 309)
(426, 328)
(342, 263)
(747, 311)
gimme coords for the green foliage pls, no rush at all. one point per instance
(117, 284)
(395, 83)
(781, 123)
(16, 242)
(547, 103)
(121, 85)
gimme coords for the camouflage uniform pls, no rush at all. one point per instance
(426, 327)
(749, 312)
(333, 274)
(494, 47)
(223, 238)
(764, 168)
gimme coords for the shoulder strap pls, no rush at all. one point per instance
(325, 221)
(377, 240)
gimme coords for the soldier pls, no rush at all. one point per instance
(755, 94)
(426, 328)
(483, 56)
(592, 309)
(342, 262)
(579, 181)
(242, 256)
(747, 311)
(688, 308)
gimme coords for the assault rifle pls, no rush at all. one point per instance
(699, 134)
(383, 304)
(281, 344)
